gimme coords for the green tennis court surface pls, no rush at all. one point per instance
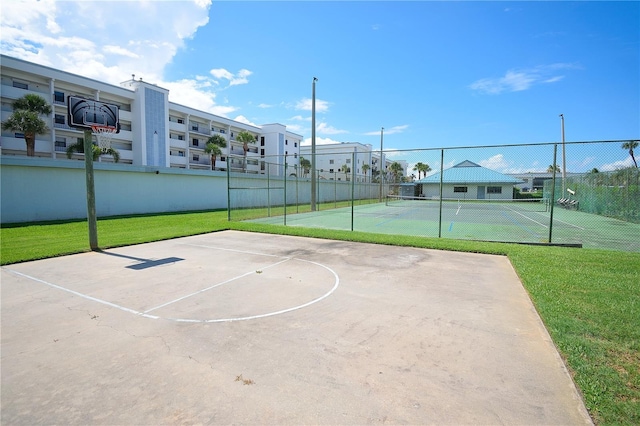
(509, 221)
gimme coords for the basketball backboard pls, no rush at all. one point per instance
(85, 113)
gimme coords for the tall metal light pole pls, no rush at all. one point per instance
(313, 145)
(381, 168)
(564, 158)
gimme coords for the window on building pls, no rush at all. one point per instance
(261, 140)
(295, 144)
(222, 131)
(348, 160)
(194, 127)
(459, 189)
(196, 142)
(494, 190)
(286, 141)
(18, 135)
(286, 153)
(295, 155)
(196, 157)
(59, 119)
(61, 144)
(180, 121)
(58, 96)
(20, 85)
(331, 171)
(330, 161)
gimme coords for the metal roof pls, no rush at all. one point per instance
(468, 172)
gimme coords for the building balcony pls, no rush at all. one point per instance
(15, 92)
(178, 127)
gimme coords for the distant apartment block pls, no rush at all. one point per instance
(154, 131)
(342, 161)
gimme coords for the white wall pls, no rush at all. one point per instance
(432, 190)
(40, 189)
(43, 189)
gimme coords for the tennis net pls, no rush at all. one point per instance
(527, 205)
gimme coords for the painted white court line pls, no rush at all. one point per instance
(284, 311)
(526, 217)
(146, 314)
(84, 296)
(213, 286)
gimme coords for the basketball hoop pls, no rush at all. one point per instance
(104, 135)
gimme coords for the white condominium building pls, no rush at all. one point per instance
(339, 161)
(153, 131)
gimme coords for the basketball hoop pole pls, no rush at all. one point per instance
(91, 191)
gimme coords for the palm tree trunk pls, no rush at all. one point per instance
(30, 140)
(633, 157)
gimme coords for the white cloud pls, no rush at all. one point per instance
(324, 128)
(305, 105)
(117, 50)
(245, 120)
(519, 80)
(320, 141)
(234, 79)
(622, 164)
(390, 131)
(497, 162)
(265, 106)
(109, 41)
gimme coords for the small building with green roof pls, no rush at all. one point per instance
(469, 181)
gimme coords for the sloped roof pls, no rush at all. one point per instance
(469, 172)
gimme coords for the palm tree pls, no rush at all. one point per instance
(396, 170)
(553, 168)
(345, 170)
(422, 168)
(246, 138)
(214, 147)
(631, 145)
(306, 166)
(365, 169)
(26, 119)
(97, 151)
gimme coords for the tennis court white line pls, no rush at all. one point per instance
(527, 217)
(213, 286)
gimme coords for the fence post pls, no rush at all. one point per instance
(353, 183)
(285, 190)
(440, 208)
(268, 191)
(228, 192)
(553, 191)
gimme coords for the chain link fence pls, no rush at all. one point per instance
(583, 194)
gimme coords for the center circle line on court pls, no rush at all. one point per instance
(146, 314)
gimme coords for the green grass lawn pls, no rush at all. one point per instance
(588, 299)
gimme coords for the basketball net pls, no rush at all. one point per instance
(104, 135)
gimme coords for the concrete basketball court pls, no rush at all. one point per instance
(243, 328)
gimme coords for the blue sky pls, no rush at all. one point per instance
(433, 74)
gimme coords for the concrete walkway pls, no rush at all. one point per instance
(244, 328)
